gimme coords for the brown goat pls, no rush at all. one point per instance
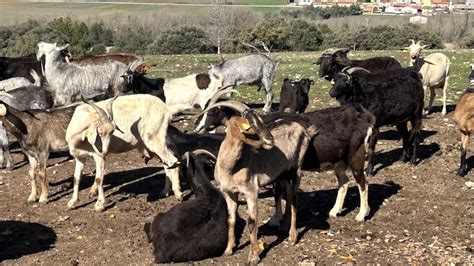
(244, 167)
(464, 119)
(94, 59)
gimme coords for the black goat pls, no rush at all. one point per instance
(342, 134)
(183, 142)
(19, 67)
(394, 97)
(138, 83)
(193, 230)
(295, 95)
(332, 62)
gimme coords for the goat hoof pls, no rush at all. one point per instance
(31, 199)
(253, 259)
(292, 238)
(333, 213)
(461, 172)
(179, 197)
(43, 200)
(228, 252)
(71, 205)
(361, 216)
(99, 207)
(92, 193)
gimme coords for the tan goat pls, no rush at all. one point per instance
(434, 69)
(464, 119)
(143, 121)
(244, 167)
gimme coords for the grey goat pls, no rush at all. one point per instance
(69, 81)
(256, 69)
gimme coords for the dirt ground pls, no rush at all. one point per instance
(419, 214)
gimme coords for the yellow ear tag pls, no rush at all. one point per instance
(89, 133)
(332, 82)
(245, 126)
(261, 245)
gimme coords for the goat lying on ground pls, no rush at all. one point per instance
(294, 95)
(38, 133)
(193, 230)
(17, 82)
(394, 97)
(434, 69)
(332, 61)
(342, 133)
(19, 67)
(464, 118)
(244, 167)
(138, 130)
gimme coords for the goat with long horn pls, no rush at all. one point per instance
(241, 169)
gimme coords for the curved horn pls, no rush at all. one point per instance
(345, 69)
(237, 106)
(6, 94)
(109, 108)
(221, 92)
(99, 110)
(203, 151)
(412, 41)
(352, 69)
(137, 62)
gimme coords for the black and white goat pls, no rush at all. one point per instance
(195, 89)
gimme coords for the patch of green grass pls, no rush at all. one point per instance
(298, 65)
(267, 2)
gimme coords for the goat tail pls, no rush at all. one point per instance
(178, 108)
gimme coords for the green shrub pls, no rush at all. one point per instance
(282, 35)
(184, 40)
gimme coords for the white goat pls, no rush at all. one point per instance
(69, 81)
(17, 82)
(143, 120)
(434, 69)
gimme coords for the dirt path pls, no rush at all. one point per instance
(418, 214)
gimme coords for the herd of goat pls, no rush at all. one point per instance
(97, 105)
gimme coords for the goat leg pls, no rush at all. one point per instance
(80, 161)
(276, 219)
(99, 180)
(252, 224)
(464, 142)
(32, 172)
(370, 154)
(231, 200)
